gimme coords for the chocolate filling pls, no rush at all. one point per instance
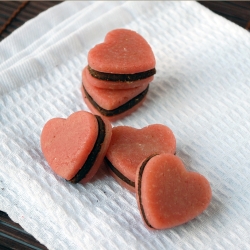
(93, 154)
(119, 110)
(142, 167)
(121, 77)
(119, 174)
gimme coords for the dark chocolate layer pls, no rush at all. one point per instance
(126, 106)
(93, 154)
(121, 77)
(142, 167)
(118, 173)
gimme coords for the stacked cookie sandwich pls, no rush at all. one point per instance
(118, 74)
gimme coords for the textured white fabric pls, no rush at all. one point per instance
(42, 28)
(201, 91)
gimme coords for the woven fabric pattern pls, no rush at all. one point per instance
(201, 91)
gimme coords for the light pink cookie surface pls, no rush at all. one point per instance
(123, 52)
(130, 146)
(86, 77)
(75, 147)
(167, 194)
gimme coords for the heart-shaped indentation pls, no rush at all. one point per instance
(130, 146)
(67, 143)
(123, 52)
(167, 194)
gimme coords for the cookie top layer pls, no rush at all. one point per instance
(167, 194)
(123, 52)
(67, 143)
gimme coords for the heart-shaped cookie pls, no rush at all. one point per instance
(130, 146)
(123, 52)
(167, 194)
(75, 147)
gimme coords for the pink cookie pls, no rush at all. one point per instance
(167, 194)
(75, 147)
(130, 146)
(124, 56)
(87, 77)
